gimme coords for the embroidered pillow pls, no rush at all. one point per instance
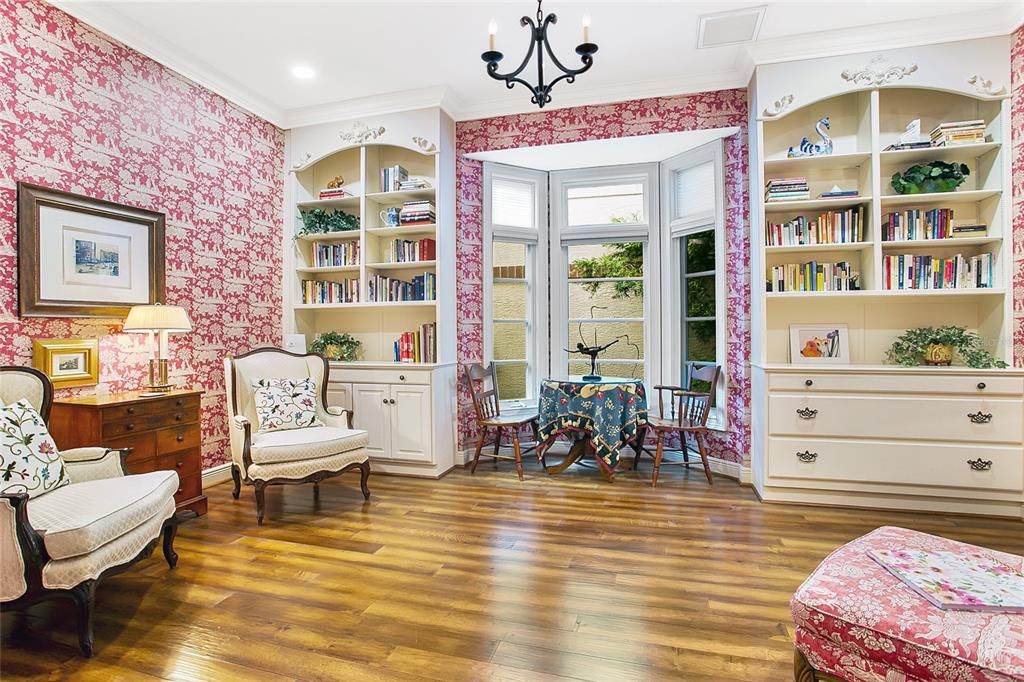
(285, 404)
(29, 461)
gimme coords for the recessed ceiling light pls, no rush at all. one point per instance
(303, 72)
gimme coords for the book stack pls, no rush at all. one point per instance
(901, 146)
(334, 193)
(958, 132)
(930, 272)
(413, 183)
(418, 213)
(389, 289)
(787, 189)
(811, 276)
(332, 255)
(391, 179)
(417, 346)
(836, 193)
(346, 291)
(917, 224)
(408, 251)
(833, 227)
(968, 230)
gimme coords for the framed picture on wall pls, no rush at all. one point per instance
(68, 362)
(819, 344)
(83, 257)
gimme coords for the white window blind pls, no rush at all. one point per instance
(693, 191)
(512, 203)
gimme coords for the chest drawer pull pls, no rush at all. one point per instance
(807, 456)
(980, 464)
(809, 382)
(178, 417)
(129, 427)
(180, 438)
(981, 385)
(807, 413)
(980, 417)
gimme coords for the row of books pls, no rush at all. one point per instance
(832, 227)
(387, 289)
(812, 276)
(418, 213)
(407, 250)
(936, 223)
(930, 272)
(787, 189)
(417, 346)
(345, 291)
(391, 179)
(958, 132)
(331, 255)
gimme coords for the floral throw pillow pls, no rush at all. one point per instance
(29, 461)
(285, 404)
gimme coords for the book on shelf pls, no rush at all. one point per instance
(345, 291)
(831, 227)
(333, 255)
(903, 146)
(839, 194)
(969, 231)
(391, 179)
(787, 189)
(812, 276)
(413, 183)
(909, 271)
(383, 289)
(334, 193)
(419, 345)
(917, 224)
(411, 251)
(958, 132)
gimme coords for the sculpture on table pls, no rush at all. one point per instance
(824, 148)
(592, 352)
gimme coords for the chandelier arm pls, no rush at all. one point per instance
(587, 60)
(492, 68)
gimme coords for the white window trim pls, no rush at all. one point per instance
(536, 270)
(562, 236)
(672, 313)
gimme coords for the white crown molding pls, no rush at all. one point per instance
(106, 19)
(372, 105)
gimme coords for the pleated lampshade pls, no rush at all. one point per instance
(168, 318)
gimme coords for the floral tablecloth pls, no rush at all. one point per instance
(611, 413)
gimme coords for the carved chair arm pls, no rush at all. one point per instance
(339, 411)
(28, 541)
(242, 423)
(95, 463)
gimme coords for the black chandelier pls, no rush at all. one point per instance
(539, 44)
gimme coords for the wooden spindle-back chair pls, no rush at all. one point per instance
(486, 403)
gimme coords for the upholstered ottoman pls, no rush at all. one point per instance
(856, 621)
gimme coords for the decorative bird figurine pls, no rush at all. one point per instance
(808, 149)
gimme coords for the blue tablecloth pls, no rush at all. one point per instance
(611, 412)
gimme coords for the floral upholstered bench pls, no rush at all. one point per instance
(856, 621)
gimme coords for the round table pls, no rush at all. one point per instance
(605, 414)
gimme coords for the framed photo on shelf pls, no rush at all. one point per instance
(84, 257)
(68, 362)
(819, 344)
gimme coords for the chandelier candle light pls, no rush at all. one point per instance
(539, 44)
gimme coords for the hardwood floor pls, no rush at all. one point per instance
(469, 578)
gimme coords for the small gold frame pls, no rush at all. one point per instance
(68, 362)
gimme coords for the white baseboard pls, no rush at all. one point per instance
(216, 474)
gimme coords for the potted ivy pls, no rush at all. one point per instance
(336, 346)
(938, 345)
(934, 176)
(319, 221)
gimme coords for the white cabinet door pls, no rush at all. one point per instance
(339, 395)
(372, 412)
(410, 423)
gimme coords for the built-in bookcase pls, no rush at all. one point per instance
(863, 124)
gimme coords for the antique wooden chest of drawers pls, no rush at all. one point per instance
(163, 433)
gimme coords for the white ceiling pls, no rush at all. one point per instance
(381, 56)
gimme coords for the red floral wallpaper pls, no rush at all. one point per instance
(84, 113)
(719, 109)
(1017, 140)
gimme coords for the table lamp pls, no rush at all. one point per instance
(162, 319)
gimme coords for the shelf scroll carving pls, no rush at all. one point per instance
(303, 161)
(426, 145)
(360, 133)
(985, 86)
(778, 106)
(878, 72)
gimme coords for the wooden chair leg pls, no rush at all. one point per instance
(259, 486)
(316, 490)
(497, 444)
(364, 476)
(479, 447)
(685, 448)
(84, 596)
(658, 452)
(236, 476)
(170, 530)
(699, 435)
(516, 450)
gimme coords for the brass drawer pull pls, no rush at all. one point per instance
(179, 402)
(129, 427)
(807, 413)
(130, 410)
(181, 438)
(178, 417)
(179, 464)
(980, 417)
(980, 464)
(807, 456)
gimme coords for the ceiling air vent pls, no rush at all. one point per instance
(729, 28)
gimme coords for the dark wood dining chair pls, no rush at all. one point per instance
(687, 414)
(488, 416)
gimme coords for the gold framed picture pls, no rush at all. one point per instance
(68, 362)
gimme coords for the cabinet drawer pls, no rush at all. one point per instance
(143, 446)
(177, 438)
(154, 406)
(862, 416)
(148, 422)
(186, 463)
(188, 487)
(378, 376)
(866, 382)
(930, 464)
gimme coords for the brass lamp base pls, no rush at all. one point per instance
(158, 383)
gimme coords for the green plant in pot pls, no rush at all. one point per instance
(937, 346)
(934, 176)
(319, 221)
(336, 346)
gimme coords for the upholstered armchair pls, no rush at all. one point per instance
(61, 543)
(298, 455)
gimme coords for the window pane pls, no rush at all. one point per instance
(509, 341)
(512, 203)
(509, 299)
(700, 341)
(693, 190)
(604, 204)
(622, 298)
(700, 296)
(700, 251)
(511, 381)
